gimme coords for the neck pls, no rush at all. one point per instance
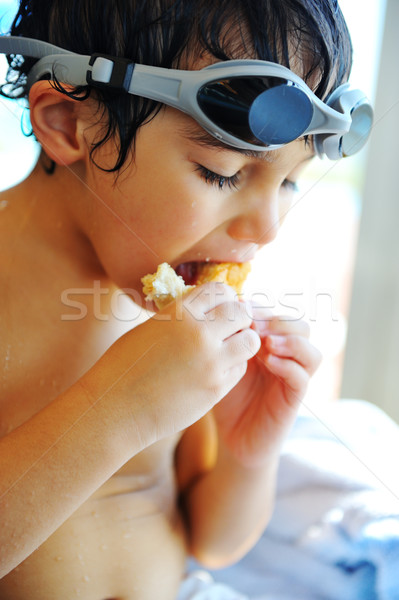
(44, 209)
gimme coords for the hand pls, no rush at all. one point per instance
(170, 371)
(256, 415)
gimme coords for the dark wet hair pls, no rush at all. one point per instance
(167, 33)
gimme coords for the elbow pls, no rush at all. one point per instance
(218, 559)
(224, 551)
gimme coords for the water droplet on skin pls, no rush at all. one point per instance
(3, 204)
(59, 558)
(207, 259)
(86, 578)
(127, 535)
(234, 251)
(103, 547)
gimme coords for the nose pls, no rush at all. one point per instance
(258, 220)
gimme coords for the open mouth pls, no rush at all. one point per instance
(190, 271)
(196, 273)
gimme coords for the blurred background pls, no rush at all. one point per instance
(335, 262)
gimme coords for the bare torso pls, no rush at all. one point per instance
(127, 541)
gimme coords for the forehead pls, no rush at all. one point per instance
(194, 133)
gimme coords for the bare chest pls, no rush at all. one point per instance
(122, 545)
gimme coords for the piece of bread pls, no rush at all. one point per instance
(234, 274)
(165, 285)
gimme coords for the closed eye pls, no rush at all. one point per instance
(290, 185)
(220, 181)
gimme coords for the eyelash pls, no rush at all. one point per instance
(291, 186)
(222, 181)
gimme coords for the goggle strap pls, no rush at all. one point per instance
(117, 74)
(28, 47)
(71, 69)
(98, 70)
(68, 67)
(162, 85)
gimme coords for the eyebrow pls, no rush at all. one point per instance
(203, 138)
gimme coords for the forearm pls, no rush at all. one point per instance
(52, 463)
(228, 508)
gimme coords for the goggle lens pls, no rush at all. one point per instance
(263, 111)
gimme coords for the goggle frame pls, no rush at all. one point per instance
(340, 126)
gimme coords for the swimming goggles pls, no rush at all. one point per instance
(248, 104)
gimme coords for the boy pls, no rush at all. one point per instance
(123, 449)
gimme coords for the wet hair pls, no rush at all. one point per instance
(168, 33)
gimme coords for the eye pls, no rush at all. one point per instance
(220, 181)
(291, 186)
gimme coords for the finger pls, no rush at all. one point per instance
(230, 317)
(290, 372)
(232, 377)
(279, 325)
(296, 348)
(242, 346)
(205, 297)
(261, 313)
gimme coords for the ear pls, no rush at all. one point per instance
(56, 123)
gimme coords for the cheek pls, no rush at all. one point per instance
(175, 205)
(168, 222)
(163, 204)
(286, 202)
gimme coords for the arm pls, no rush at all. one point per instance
(52, 463)
(133, 396)
(228, 505)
